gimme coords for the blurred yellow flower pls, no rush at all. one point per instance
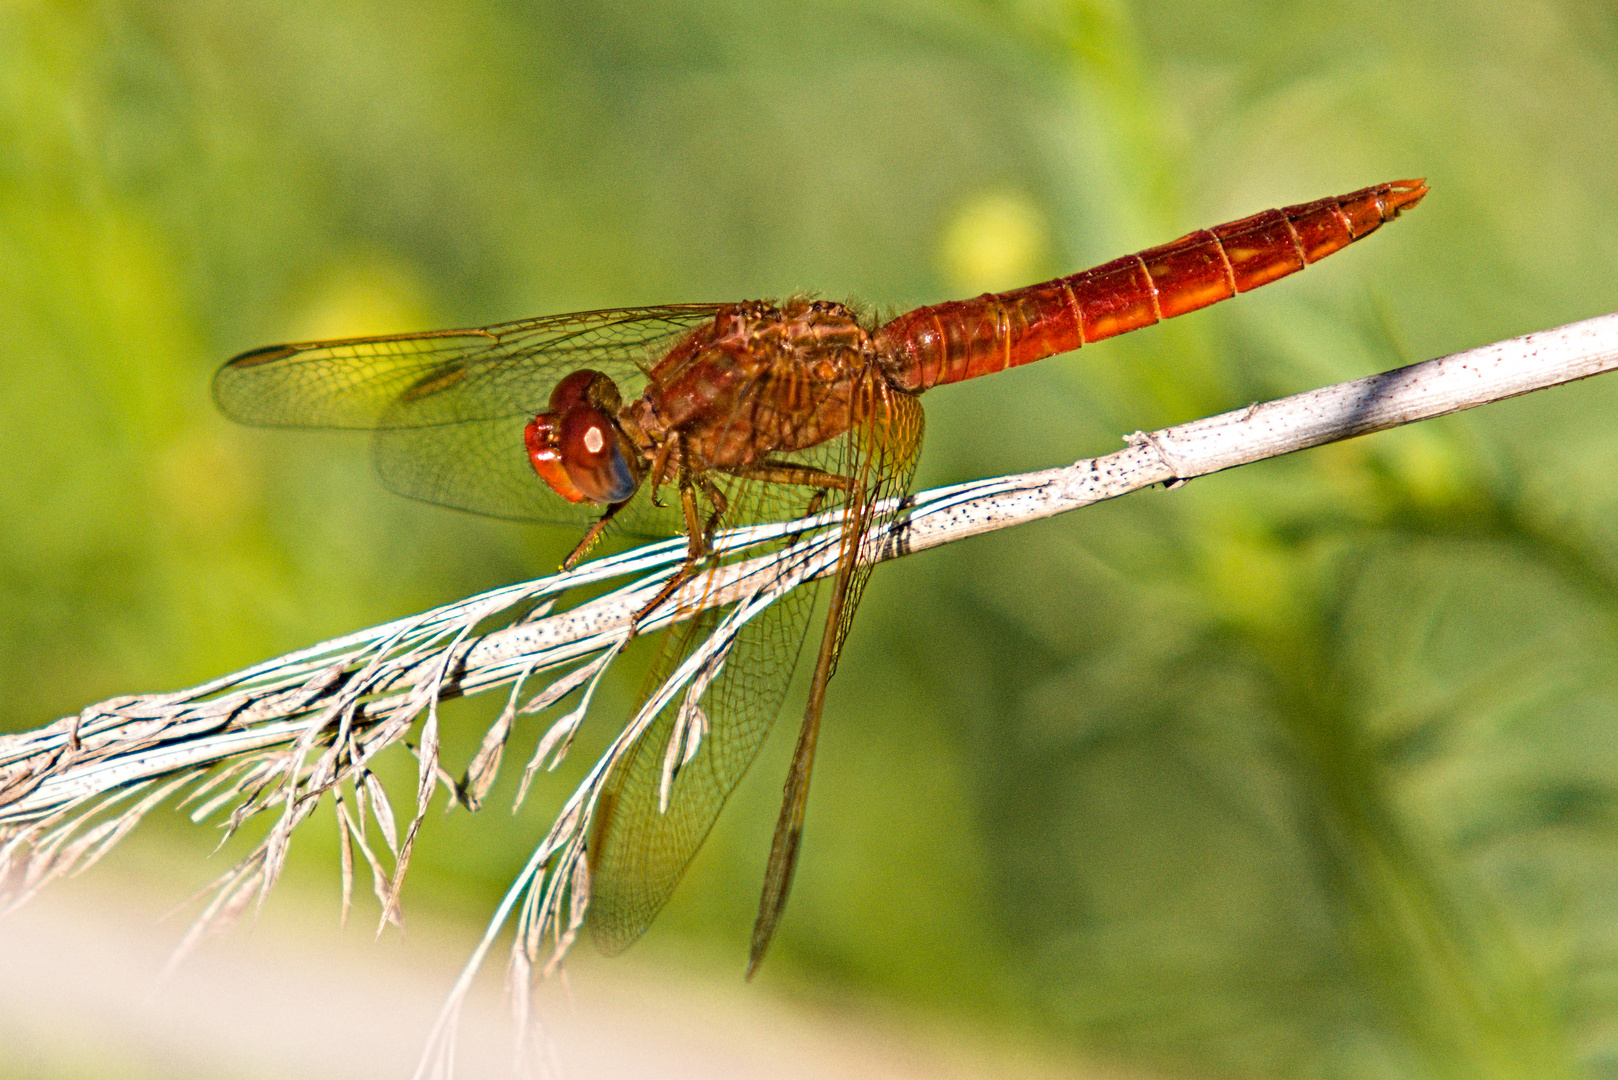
(995, 241)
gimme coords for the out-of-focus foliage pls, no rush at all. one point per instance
(1309, 770)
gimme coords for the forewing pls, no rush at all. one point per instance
(449, 406)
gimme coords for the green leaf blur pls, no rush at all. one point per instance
(1308, 769)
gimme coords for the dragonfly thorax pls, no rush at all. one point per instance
(760, 378)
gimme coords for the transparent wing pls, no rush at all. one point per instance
(881, 463)
(449, 406)
(637, 854)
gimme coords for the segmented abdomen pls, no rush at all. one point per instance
(963, 339)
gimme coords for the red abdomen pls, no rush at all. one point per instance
(963, 339)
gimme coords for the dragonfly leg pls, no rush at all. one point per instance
(720, 504)
(660, 464)
(815, 502)
(785, 472)
(697, 535)
(593, 535)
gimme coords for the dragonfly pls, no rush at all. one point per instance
(691, 418)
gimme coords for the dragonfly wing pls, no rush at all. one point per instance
(882, 456)
(480, 466)
(449, 406)
(637, 853)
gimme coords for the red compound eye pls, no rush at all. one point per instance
(594, 455)
(575, 390)
(577, 448)
(542, 437)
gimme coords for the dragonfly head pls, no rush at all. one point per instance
(578, 448)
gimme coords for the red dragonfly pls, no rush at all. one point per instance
(752, 412)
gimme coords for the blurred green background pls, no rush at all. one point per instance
(1305, 770)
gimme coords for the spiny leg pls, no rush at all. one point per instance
(815, 502)
(720, 504)
(697, 547)
(592, 535)
(786, 472)
(700, 539)
(660, 464)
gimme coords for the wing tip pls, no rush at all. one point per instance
(269, 354)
